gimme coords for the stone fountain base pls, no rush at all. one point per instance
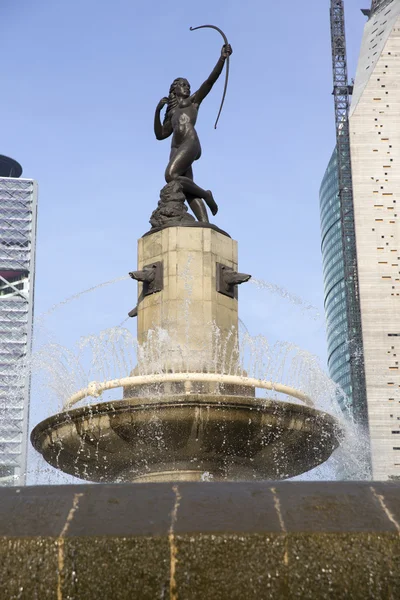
(187, 438)
(189, 541)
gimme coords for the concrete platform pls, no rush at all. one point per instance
(201, 541)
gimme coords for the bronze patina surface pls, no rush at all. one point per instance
(196, 437)
(179, 121)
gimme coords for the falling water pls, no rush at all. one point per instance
(243, 326)
(305, 307)
(114, 353)
(79, 294)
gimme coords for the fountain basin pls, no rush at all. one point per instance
(187, 438)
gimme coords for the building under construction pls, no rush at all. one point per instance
(360, 230)
(18, 205)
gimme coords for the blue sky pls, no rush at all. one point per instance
(80, 82)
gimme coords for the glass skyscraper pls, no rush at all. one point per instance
(18, 206)
(334, 284)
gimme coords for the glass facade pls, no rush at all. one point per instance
(18, 201)
(334, 283)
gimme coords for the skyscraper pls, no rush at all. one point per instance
(18, 206)
(334, 284)
(339, 252)
(373, 134)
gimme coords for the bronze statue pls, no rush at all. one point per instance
(179, 121)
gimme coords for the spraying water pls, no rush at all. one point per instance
(305, 307)
(79, 294)
(115, 353)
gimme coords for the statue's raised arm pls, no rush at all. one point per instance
(205, 88)
(228, 47)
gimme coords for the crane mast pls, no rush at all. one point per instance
(341, 93)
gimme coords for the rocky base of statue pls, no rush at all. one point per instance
(171, 209)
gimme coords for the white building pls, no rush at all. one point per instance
(374, 123)
(18, 206)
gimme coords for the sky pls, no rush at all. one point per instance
(80, 82)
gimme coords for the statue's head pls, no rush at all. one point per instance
(180, 88)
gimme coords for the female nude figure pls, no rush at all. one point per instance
(180, 119)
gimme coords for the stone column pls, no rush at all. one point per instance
(199, 324)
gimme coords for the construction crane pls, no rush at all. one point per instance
(341, 93)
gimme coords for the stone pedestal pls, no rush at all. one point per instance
(199, 324)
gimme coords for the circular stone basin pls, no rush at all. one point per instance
(192, 437)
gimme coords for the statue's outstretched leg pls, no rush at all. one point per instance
(189, 187)
(196, 204)
(198, 207)
(180, 169)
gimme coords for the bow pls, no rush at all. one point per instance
(227, 65)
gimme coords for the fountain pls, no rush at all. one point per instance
(196, 418)
(193, 446)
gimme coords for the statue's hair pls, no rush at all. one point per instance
(172, 99)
